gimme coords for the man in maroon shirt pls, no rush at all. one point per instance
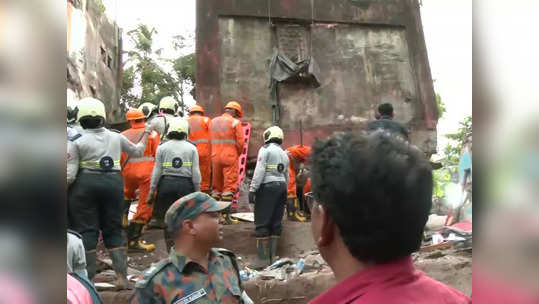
(371, 199)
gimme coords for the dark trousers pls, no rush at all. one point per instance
(269, 209)
(170, 189)
(95, 202)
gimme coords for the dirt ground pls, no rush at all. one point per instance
(449, 266)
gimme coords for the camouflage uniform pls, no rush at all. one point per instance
(180, 280)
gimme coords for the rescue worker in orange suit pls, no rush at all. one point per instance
(136, 173)
(199, 135)
(227, 140)
(297, 155)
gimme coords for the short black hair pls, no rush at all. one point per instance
(168, 111)
(176, 135)
(385, 109)
(89, 122)
(275, 140)
(378, 190)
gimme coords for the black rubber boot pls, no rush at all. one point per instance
(290, 209)
(274, 241)
(262, 254)
(134, 244)
(119, 264)
(226, 218)
(91, 264)
(293, 212)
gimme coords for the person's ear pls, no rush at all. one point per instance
(189, 227)
(327, 227)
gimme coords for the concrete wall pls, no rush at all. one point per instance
(369, 52)
(94, 56)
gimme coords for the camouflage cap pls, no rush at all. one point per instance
(191, 206)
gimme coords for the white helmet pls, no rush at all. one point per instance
(168, 102)
(273, 132)
(92, 107)
(147, 108)
(178, 124)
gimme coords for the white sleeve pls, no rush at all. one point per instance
(196, 170)
(157, 169)
(72, 162)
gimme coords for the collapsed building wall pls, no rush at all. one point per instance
(360, 54)
(94, 52)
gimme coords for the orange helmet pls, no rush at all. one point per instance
(134, 114)
(196, 108)
(234, 105)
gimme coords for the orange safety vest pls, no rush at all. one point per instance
(199, 134)
(227, 138)
(148, 158)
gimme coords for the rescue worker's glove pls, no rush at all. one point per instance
(252, 197)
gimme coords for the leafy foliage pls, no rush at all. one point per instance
(441, 105)
(453, 150)
(146, 72)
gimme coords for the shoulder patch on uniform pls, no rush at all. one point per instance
(152, 272)
(75, 233)
(75, 137)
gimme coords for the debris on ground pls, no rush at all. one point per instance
(300, 274)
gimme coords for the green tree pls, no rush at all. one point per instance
(452, 152)
(145, 71)
(183, 66)
(453, 149)
(440, 104)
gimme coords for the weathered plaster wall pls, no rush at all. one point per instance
(368, 52)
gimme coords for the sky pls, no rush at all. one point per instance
(447, 25)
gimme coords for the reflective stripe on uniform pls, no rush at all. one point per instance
(95, 164)
(271, 167)
(140, 159)
(200, 141)
(223, 141)
(169, 164)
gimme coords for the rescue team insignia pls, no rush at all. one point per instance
(192, 297)
(106, 163)
(280, 168)
(177, 162)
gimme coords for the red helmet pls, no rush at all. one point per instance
(196, 108)
(134, 114)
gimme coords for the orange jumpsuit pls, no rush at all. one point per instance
(227, 141)
(199, 134)
(296, 155)
(137, 171)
